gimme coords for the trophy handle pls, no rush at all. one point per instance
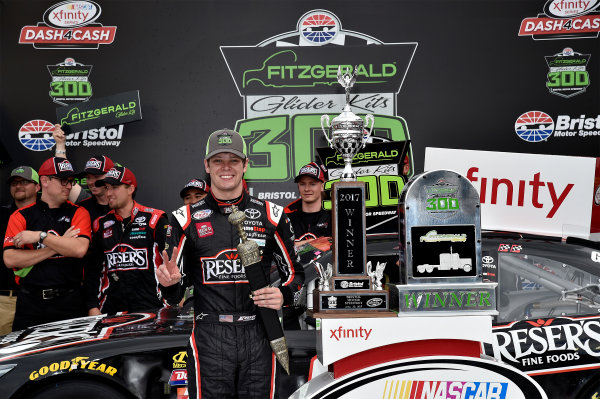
(324, 118)
(368, 117)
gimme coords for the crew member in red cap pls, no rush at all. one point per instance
(94, 200)
(308, 218)
(44, 243)
(194, 191)
(126, 247)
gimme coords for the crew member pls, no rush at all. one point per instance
(45, 242)
(94, 200)
(194, 191)
(126, 247)
(24, 183)
(308, 218)
(229, 355)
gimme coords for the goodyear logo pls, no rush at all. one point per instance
(78, 363)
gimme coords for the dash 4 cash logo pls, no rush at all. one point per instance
(289, 80)
(568, 75)
(563, 19)
(70, 82)
(69, 24)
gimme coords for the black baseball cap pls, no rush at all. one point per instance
(116, 176)
(98, 165)
(195, 183)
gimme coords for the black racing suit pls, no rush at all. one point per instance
(125, 255)
(229, 355)
(308, 225)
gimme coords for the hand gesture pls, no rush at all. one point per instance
(168, 273)
(59, 135)
(268, 297)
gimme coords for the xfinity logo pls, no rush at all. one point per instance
(350, 333)
(515, 191)
(252, 213)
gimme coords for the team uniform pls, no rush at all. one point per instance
(125, 255)
(228, 351)
(93, 207)
(52, 289)
(308, 225)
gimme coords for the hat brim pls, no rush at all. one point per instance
(220, 151)
(108, 180)
(309, 175)
(183, 191)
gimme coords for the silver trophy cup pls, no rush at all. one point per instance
(348, 134)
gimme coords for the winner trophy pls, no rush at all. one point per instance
(250, 256)
(351, 289)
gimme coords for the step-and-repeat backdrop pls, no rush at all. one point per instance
(516, 76)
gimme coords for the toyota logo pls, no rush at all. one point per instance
(487, 259)
(252, 213)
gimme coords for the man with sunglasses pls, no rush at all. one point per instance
(23, 183)
(44, 244)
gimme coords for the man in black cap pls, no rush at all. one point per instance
(229, 355)
(44, 244)
(194, 191)
(94, 200)
(126, 247)
(24, 183)
(308, 218)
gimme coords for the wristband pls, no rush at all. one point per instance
(61, 151)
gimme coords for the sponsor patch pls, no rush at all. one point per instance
(252, 213)
(202, 214)
(178, 377)
(108, 233)
(204, 229)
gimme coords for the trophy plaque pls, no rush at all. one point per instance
(348, 287)
(440, 229)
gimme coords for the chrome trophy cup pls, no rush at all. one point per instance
(348, 134)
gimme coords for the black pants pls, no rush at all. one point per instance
(33, 309)
(230, 360)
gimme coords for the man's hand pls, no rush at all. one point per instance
(94, 312)
(268, 297)
(168, 273)
(72, 232)
(26, 237)
(59, 135)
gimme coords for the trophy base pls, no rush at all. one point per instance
(350, 315)
(345, 301)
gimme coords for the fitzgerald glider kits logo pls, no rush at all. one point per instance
(69, 25)
(568, 75)
(564, 19)
(70, 82)
(289, 80)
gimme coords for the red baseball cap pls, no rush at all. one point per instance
(116, 176)
(59, 167)
(313, 170)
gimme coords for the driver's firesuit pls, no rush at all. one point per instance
(228, 353)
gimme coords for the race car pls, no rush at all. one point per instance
(548, 326)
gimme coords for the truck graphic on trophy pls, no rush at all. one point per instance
(448, 261)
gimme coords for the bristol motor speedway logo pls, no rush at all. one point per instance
(536, 126)
(289, 80)
(563, 19)
(69, 24)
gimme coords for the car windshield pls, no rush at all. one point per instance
(534, 286)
